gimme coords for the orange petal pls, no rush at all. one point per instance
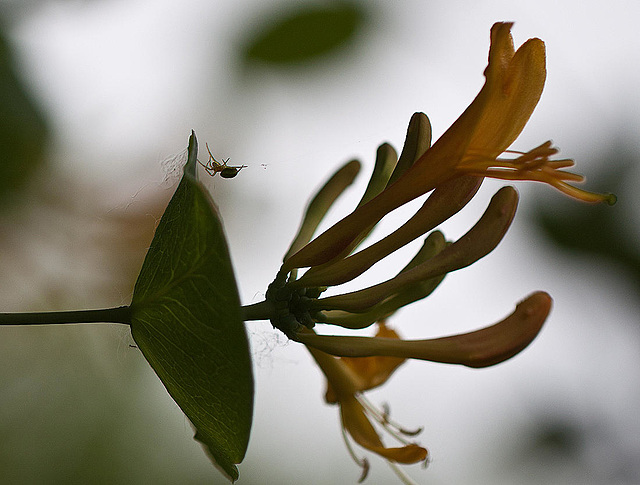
(342, 381)
(513, 88)
(501, 52)
(362, 431)
(372, 371)
(407, 454)
(355, 421)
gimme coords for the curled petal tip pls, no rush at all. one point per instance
(495, 344)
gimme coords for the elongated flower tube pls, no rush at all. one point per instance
(475, 244)
(433, 244)
(482, 348)
(445, 201)
(320, 204)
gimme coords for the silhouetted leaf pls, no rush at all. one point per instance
(186, 321)
(305, 33)
(22, 127)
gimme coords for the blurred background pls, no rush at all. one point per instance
(98, 97)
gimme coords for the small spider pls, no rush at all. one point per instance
(213, 166)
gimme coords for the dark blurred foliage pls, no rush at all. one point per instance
(560, 444)
(23, 128)
(599, 230)
(304, 33)
(555, 436)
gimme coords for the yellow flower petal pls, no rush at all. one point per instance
(372, 371)
(512, 90)
(496, 116)
(355, 421)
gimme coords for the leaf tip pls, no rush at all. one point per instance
(192, 155)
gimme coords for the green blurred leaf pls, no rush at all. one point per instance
(186, 321)
(23, 130)
(305, 33)
(598, 230)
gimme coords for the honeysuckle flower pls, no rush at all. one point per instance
(368, 362)
(471, 146)
(452, 170)
(347, 379)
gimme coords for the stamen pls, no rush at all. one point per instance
(361, 462)
(583, 195)
(563, 175)
(533, 165)
(401, 474)
(515, 152)
(382, 419)
(387, 418)
(565, 163)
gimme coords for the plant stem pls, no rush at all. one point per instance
(263, 310)
(107, 315)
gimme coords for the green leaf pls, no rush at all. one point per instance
(186, 320)
(23, 130)
(305, 33)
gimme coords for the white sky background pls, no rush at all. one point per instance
(126, 81)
